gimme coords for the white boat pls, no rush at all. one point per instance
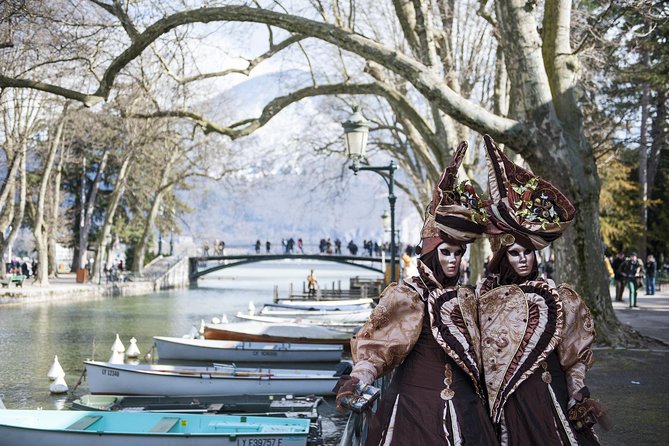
(77, 428)
(343, 304)
(160, 379)
(250, 331)
(347, 327)
(360, 316)
(237, 351)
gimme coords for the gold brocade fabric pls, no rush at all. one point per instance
(520, 325)
(578, 334)
(386, 339)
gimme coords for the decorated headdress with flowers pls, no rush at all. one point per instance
(525, 209)
(456, 213)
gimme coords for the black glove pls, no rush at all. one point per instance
(345, 387)
(588, 412)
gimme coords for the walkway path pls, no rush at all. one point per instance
(633, 382)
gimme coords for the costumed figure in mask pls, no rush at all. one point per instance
(536, 337)
(426, 332)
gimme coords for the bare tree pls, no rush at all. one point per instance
(544, 121)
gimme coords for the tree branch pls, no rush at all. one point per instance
(430, 85)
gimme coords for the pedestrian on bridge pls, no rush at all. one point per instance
(268, 246)
(258, 246)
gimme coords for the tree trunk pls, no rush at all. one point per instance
(54, 216)
(119, 190)
(17, 221)
(140, 249)
(89, 204)
(643, 166)
(41, 230)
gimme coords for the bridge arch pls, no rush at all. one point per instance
(239, 260)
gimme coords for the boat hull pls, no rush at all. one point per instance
(262, 332)
(118, 379)
(239, 351)
(56, 428)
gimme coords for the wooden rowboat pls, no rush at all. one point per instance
(76, 428)
(239, 351)
(252, 331)
(160, 379)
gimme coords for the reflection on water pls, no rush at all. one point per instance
(32, 334)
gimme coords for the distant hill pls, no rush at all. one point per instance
(290, 190)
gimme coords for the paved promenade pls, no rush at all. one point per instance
(634, 383)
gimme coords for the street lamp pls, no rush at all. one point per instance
(356, 131)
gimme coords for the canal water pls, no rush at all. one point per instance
(78, 329)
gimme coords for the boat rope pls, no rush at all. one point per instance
(81, 378)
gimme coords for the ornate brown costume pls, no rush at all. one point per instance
(536, 338)
(426, 331)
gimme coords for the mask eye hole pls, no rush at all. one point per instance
(514, 253)
(446, 252)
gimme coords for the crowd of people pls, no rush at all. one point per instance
(632, 273)
(22, 267)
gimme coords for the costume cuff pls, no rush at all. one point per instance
(365, 372)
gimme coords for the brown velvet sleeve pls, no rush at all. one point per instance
(578, 334)
(389, 335)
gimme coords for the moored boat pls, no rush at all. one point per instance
(344, 326)
(240, 351)
(330, 316)
(252, 331)
(82, 428)
(344, 304)
(253, 405)
(161, 379)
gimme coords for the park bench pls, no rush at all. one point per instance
(17, 279)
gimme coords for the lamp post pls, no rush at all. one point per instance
(356, 130)
(160, 232)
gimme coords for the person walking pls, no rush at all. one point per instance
(619, 277)
(311, 284)
(651, 269)
(426, 332)
(258, 244)
(632, 269)
(268, 247)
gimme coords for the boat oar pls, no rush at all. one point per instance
(197, 372)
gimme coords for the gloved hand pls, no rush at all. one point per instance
(345, 387)
(588, 412)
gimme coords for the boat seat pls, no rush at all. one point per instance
(215, 408)
(165, 424)
(83, 423)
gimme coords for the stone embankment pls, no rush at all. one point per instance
(161, 274)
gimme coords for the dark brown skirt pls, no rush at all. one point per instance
(412, 412)
(531, 417)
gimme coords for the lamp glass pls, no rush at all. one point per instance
(356, 143)
(386, 220)
(356, 130)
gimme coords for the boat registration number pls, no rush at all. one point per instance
(110, 372)
(260, 442)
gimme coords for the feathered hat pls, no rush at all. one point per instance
(525, 209)
(455, 214)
